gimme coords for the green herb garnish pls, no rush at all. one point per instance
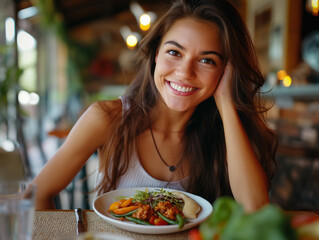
(152, 198)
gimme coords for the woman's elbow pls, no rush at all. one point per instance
(43, 202)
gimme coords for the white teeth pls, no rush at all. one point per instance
(181, 89)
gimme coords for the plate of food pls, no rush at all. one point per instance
(152, 210)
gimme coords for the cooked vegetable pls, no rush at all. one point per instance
(123, 215)
(114, 206)
(159, 221)
(121, 211)
(170, 221)
(137, 220)
(126, 203)
(180, 221)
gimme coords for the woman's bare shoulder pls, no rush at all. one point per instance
(106, 109)
(98, 119)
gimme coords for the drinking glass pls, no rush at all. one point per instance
(16, 210)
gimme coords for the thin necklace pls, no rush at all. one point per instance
(172, 168)
(167, 131)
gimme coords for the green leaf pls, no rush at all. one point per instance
(229, 222)
(224, 208)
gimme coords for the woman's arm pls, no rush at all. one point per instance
(248, 179)
(87, 135)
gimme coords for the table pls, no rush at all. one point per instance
(61, 225)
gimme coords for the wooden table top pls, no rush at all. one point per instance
(61, 224)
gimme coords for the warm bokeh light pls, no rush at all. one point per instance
(131, 41)
(145, 19)
(281, 74)
(313, 7)
(145, 22)
(287, 81)
(145, 27)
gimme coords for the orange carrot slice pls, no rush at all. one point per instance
(124, 210)
(114, 206)
(126, 203)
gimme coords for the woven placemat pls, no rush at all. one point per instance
(60, 225)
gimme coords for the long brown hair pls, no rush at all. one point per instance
(204, 142)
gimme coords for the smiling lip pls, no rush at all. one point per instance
(181, 89)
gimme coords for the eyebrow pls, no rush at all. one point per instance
(202, 53)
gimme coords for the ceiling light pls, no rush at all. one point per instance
(131, 41)
(312, 6)
(131, 38)
(145, 22)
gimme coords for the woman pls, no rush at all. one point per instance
(190, 120)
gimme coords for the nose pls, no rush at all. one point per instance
(185, 69)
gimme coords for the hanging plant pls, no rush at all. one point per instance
(79, 55)
(8, 82)
(51, 18)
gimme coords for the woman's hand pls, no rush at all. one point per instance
(222, 94)
(223, 90)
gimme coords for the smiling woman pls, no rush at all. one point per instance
(191, 119)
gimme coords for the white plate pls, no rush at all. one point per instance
(102, 203)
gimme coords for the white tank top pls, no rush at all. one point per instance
(136, 175)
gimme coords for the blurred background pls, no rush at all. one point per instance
(59, 56)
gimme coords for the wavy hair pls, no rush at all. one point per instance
(204, 143)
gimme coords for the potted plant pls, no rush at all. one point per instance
(9, 76)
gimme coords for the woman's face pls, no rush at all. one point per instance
(189, 63)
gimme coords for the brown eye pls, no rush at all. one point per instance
(174, 53)
(208, 61)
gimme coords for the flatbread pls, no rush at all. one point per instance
(191, 207)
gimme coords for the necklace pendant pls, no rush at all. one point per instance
(172, 168)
